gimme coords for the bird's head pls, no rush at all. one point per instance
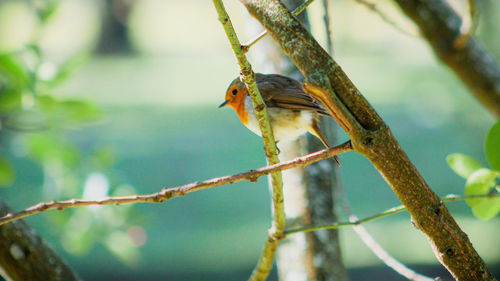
(235, 94)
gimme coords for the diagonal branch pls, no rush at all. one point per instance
(26, 256)
(384, 256)
(463, 53)
(261, 35)
(169, 193)
(383, 214)
(372, 138)
(374, 8)
(356, 223)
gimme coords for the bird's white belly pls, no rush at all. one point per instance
(287, 124)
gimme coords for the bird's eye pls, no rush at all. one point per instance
(235, 92)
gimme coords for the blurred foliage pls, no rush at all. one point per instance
(32, 116)
(481, 180)
(6, 172)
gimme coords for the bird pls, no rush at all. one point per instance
(292, 112)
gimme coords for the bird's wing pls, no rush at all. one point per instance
(285, 92)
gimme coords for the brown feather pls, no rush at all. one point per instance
(316, 131)
(284, 92)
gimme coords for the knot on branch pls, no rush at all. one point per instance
(260, 107)
(164, 194)
(246, 72)
(438, 208)
(367, 140)
(450, 253)
(253, 178)
(275, 236)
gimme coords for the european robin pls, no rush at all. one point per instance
(291, 111)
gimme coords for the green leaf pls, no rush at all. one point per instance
(61, 112)
(487, 209)
(492, 146)
(79, 111)
(462, 164)
(6, 172)
(47, 147)
(48, 9)
(10, 100)
(68, 68)
(47, 104)
(10, 67)
(480, 183)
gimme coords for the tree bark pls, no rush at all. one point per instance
(441, 26)
(372, 138)
(25, 256)
(309, 191)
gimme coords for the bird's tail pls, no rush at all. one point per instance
(315, 131)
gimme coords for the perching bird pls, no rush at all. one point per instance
(291, 111)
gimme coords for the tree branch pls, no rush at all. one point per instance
(169, 193)
(247, 76)
(372, 7)
(372, 138)
(25, 256)
(379, 251)
(463, 53)
(261, 35)
(386, 213)
(370, 242)
(385, 257)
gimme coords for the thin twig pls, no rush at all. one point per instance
(296, 12)
(328, 30)
(372, 7)
(474, 16)
(467, 30)
(378, 250)
(388, 212)
(383, 255)
(169, 193)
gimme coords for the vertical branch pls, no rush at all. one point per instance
(310, 191)
(276, 232)
(328, 30)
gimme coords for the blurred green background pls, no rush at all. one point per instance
(122, 98)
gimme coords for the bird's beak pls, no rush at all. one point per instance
(224, 103)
